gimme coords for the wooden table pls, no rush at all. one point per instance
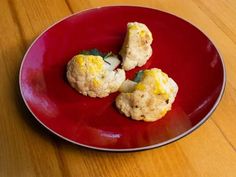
(27, 149)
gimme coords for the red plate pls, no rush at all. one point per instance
(179, 49)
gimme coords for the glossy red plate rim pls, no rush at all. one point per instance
(125, 149)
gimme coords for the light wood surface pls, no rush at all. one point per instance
(27, 149)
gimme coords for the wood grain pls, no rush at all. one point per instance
(27, 149)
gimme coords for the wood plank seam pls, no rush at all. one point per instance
(214, 19)
(60, 159)
(221, 131)
(69, 6)
(17, 22)
(5, 66)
